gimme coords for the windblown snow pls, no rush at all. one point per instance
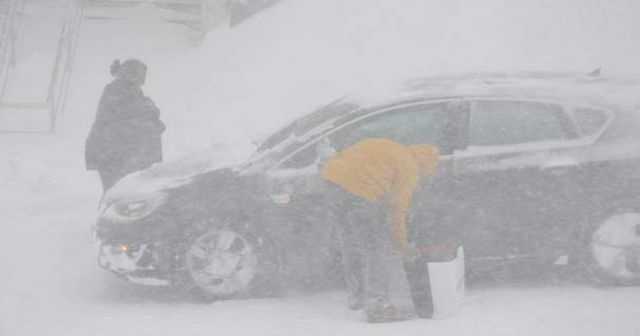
(243, 83)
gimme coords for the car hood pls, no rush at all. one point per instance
(174, 173)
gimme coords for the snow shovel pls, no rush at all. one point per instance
(436, 281)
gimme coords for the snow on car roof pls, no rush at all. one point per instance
(570, 88)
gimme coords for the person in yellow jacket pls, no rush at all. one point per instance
(370, 186)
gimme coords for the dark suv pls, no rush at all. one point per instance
(534, 166)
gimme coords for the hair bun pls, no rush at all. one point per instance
(115, 67)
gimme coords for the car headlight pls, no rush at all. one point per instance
(131, 209)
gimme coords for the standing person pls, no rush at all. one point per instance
(126, 134)
(370, 188)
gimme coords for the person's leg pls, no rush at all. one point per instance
(340, 204)
(375, 236)
(354, 265)
(376, 243)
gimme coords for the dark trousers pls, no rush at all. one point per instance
(365, 243)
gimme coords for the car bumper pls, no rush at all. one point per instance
(135, 263)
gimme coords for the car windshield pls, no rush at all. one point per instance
(291, 133)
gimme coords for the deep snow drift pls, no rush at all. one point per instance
(302, 54)
(241, 84)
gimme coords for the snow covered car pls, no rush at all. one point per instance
(534, 166)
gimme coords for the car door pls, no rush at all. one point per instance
(295, 181)
(434, 123)
(513, 175)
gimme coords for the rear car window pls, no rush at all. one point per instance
(515, 122)
(590, 120)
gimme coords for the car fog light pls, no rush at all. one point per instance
(127, 249)
(122, 248)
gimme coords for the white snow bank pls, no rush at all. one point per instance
(302, 54)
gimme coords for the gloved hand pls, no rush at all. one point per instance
(411, 254)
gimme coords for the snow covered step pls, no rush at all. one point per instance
(181, 11)
(16, 117)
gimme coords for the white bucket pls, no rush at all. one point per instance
(447, 286)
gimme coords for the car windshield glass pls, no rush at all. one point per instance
(307, 123)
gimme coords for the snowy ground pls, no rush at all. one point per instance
(51, 284)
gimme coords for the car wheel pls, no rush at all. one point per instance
(615, 249)
(224, 263)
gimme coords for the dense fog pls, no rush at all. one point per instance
(204, 182)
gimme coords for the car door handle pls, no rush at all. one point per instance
(283, 198)
(560, 165)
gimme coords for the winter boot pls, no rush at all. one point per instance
(388, 314)
(355, 302)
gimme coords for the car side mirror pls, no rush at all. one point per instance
(324, 150)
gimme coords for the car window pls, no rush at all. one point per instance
(515, 122)
(590, 120)
(330, 112)
(408, 125)
(429, 123)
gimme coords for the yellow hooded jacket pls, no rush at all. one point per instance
(382, 170)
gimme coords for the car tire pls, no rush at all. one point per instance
(614, 248)
(225, 262)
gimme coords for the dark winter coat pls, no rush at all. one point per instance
(126, 135)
